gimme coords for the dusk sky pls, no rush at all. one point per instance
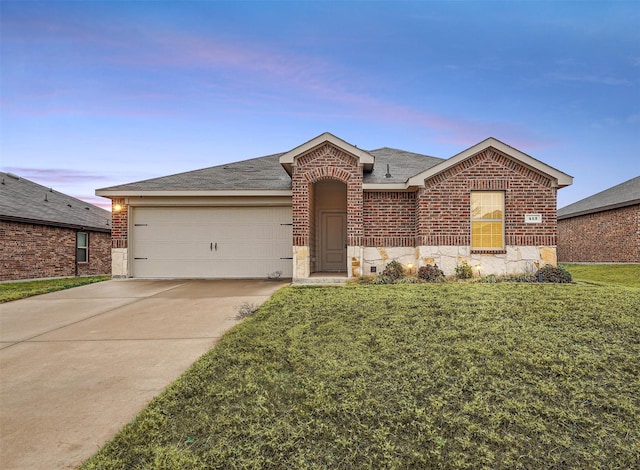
(95, 94)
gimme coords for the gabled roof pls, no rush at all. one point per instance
(364, 157)
(562, 178)
(394, 170)
(622, 195)
(265, 175)
(22, 200)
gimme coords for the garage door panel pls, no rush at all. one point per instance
(182, 241)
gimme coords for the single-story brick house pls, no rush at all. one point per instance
(329, 206)
(44, 233)
(604, 227)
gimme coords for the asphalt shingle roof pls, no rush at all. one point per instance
(402, 165)
(256, 173)
(267, 173)
(26, 201)
(624, 194)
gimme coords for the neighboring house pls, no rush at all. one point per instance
(44, 233)
(604, 227)
(328, 206)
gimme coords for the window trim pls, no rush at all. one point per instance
(84, 247)
(486, 250)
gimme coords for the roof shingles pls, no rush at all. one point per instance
(26, 201)
(621, 195)
(266, 173)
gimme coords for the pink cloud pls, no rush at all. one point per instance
(101, 202)
(248, 70)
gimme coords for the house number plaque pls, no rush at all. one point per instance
(533, 218)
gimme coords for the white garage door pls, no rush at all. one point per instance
(202, 242)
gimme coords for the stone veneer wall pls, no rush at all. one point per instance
(515, 259)
(33, 251)
(611, 236)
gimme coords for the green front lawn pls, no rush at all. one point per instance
(618, 274)
(407, 376)
(19, 290)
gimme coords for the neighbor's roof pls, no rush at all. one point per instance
(622, 195)
(266, 173)
(22, 200)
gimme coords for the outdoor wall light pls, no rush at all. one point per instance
(117, 208)
(410, 268)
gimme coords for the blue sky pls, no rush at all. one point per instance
(101, 93)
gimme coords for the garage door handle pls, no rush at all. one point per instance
(212, 246)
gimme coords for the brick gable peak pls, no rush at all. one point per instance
(364, 158)
(490, 147)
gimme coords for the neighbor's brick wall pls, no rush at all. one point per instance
(30, 251)
(119, 224)
(609, 236)
(99, 255)
(443, 207)
(326, 162)
(389, 218)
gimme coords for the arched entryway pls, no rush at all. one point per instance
(328, 228)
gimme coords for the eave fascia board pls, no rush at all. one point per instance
(365, 158)
(192, 193)
(562, 178)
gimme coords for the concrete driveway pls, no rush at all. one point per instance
(77, 365)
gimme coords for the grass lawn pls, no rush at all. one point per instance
(407, 376)
(19, 290)
(618, 274)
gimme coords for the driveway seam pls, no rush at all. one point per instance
(136, 299)
(29, 340)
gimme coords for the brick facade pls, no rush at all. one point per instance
(389, 218)
(386, 224)
(31, 251)
(443, 213)
(422, 219)
(611, 236)
(119, 223)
